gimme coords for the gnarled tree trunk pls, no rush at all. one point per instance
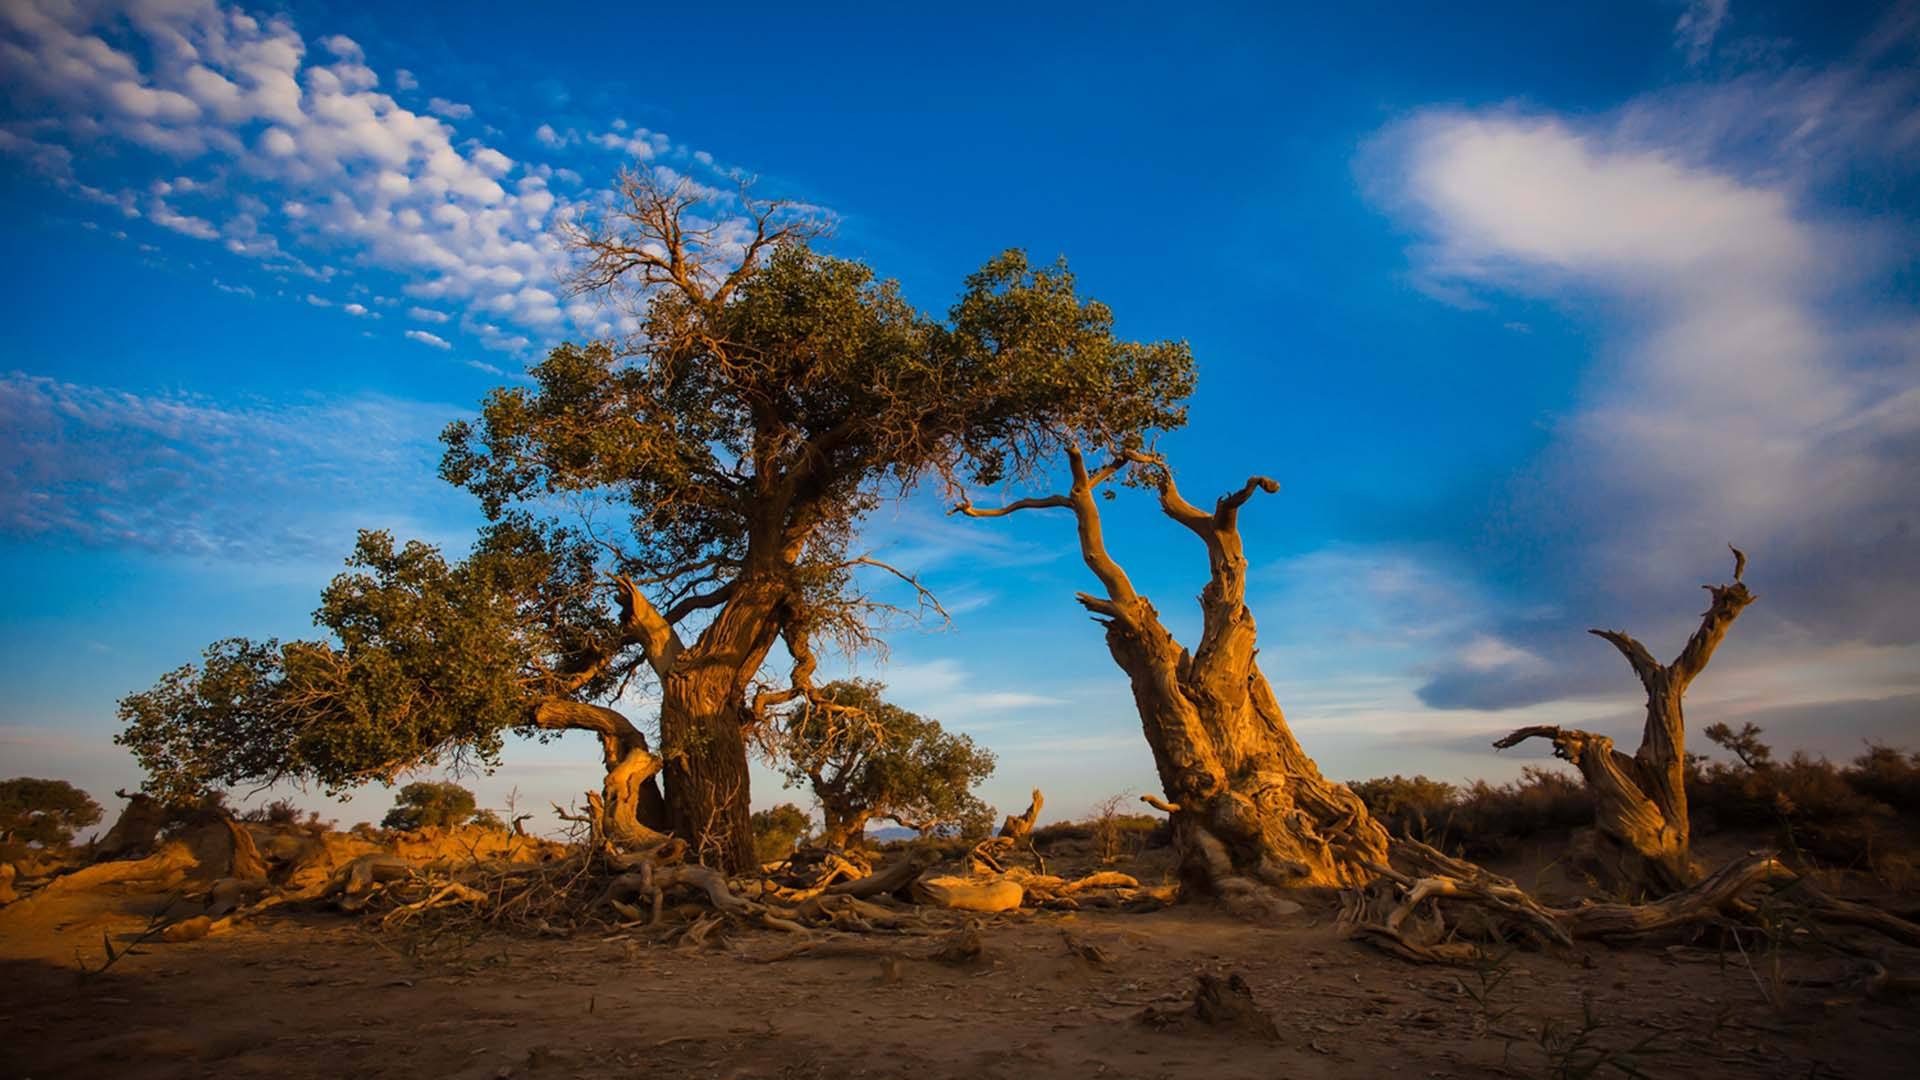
(1640, 802)
(1250, 810)
(629, 810)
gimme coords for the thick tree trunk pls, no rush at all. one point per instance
(1250, 807)
(702, 734)
(1250, 811)
(1641, 838)
(844, 826)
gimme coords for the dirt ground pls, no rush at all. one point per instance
(323, 996)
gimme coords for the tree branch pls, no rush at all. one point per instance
(1728, 602)
(1644, 665)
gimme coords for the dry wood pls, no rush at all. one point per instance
(1249, 809)
(1640, 802)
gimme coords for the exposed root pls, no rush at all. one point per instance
(1407, 913)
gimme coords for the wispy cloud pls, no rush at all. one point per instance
(424, 338)
(1698, 26)
(182, 474)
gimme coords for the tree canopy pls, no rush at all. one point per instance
(864, 758)
(44, 812)
(711, 473)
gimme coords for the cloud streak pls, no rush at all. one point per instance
(185, 475)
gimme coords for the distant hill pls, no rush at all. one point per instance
(891, 832)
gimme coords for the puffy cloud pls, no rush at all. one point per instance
(424, 338)
(452, 110)
(427, 315)
(215, 92)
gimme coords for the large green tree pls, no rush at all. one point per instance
(710, 472)
(865, 758)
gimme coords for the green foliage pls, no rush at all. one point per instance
(44, 813)
(426, 804)
(861, 754)
(428, 659)
(776, 832)
(738, 439)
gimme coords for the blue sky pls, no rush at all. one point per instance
(1529, 310)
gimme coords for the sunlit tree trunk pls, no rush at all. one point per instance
(1250, 811)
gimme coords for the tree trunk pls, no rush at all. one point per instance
(1641, 837)
(844, 826)
(702, 735)
(1250, 810)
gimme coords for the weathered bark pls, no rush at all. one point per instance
(629, 810)
(1400, 913)
(1020, 826)
(136, 832)
(1249, 809)
(1640, 802)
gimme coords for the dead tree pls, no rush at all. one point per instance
(1640, 802)
(1250, 811)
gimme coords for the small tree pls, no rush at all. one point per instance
(1744, 744)
(778, 831)
(865, 758)
(46, 813)
(428, 804)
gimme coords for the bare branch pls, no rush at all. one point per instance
(965, 506)
(1644, 665)
(927, 598)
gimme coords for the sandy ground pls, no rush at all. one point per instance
(322, 996)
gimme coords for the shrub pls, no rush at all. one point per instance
(277, 812)
(1481, 819)
(1887, 775)
(777, 832)
(428, 803)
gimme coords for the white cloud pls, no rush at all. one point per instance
(452, 110)
(1765, 393)
(232, 103)
(356, 310)
(318, 301)
(427, 315)
(425, 338)
(405, 80)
